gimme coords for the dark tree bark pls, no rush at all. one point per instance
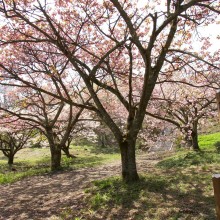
(195, 143)
(192, 141)
(55, 158)
(55, 150)
(194, 136)
(129, 169)
(10, 155)
(66, 150)
(10, 158)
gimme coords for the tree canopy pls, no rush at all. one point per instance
(75, 50)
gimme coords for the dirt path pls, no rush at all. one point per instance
(42, 197)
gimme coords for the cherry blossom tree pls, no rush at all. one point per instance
(52, 117)
(185, 107)
(14, 136)
(110, 45)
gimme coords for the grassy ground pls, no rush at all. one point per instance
(34, 161)
(178, 187)
(208, 141)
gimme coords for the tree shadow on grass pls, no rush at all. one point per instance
(166, 194)
(42, 196)
(26, 168)
(153, 197)
(66, 163)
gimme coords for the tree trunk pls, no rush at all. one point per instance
(10, 159)
(66, 150)
(55, 150)
(55, 158)
(195, 143)
(129, 169)
(102, 140)
(194, 135)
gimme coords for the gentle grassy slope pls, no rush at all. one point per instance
(162, 195)
(207, 141)
(33, 161)
(179, 186)
(186, 159)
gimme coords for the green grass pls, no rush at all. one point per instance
(35, 161)
(115, 191)
(206, 142)
(184, 194)
(178, 187)
(27, 162)
(187, 159)
(12, 176)
(208, 156)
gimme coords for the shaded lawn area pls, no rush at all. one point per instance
(165, 194)
(178, 187)
(36, 161)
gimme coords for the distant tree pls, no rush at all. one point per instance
(185, 107)
(14, 136)
(52, 117)
(105, 137)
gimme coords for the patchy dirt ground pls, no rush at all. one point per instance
(43, 197)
